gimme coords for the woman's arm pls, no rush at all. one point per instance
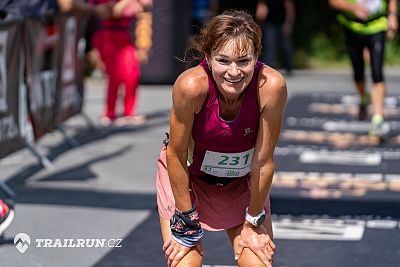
(272, 99)
(102, 11)
(393, 22)
(188, 95)
(129, 8)
(290, 17)
(357, 9)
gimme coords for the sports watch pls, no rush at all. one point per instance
(255, 220)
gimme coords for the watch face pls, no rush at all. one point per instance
(260, 220)
(256, 220)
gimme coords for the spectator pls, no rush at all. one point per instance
(113, 39)
(277, 19)
(201, 14)
(14, 9)
(17, 9)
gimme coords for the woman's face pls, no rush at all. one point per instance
(232, 68)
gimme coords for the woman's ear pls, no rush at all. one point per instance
(208, 61)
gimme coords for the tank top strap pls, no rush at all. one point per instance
(251, 96)
(212, 97)
(259, 66)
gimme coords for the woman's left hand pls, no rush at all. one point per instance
(258, 241)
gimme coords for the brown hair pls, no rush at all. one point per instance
(233, 24)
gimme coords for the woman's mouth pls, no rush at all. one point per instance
(233, 81)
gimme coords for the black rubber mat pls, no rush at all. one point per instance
(327, 163)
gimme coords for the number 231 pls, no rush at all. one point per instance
(235, 160)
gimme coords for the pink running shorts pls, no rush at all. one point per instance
(219, 207)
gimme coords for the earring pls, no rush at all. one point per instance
(208, 64)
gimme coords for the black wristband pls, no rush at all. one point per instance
(186, 228)
(183, 221)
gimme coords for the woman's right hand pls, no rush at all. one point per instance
(175, 252)
(258, 241)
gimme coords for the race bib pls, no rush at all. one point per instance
(373, 6)
(227, 164)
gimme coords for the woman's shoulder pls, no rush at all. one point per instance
(269, 78)
(192, 83)
(272, 86)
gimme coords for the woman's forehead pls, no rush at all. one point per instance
(236, 47)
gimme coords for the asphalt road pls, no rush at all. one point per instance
(335, 199)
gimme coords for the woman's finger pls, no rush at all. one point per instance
(166, 244)
(169, 250)
(171, 258)
(268, 255)
(272, 244)
(179, 256)
(265, 258)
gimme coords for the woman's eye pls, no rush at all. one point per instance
(223, 61)
(244, 61)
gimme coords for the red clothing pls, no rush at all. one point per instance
(114, 41)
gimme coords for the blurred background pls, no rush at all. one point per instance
(318, 38)
(336, 191)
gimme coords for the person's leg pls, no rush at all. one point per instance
(112, 94)
(108, 51)
(128, 67)
(193, 258)
(287, 50)
(378, 98)
(355, 49)
(376, 44)
(248, 258)
(269, 46)
(376, 48)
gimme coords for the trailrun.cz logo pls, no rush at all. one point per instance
(22, 242)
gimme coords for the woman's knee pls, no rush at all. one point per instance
(193, 258)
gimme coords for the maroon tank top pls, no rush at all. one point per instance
(211, 132)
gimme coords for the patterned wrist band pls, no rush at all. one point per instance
(185, 227)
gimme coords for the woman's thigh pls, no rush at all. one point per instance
(248, 258)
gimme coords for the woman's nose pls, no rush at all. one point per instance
(233, 69)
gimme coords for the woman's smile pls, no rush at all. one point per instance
(234, 81)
